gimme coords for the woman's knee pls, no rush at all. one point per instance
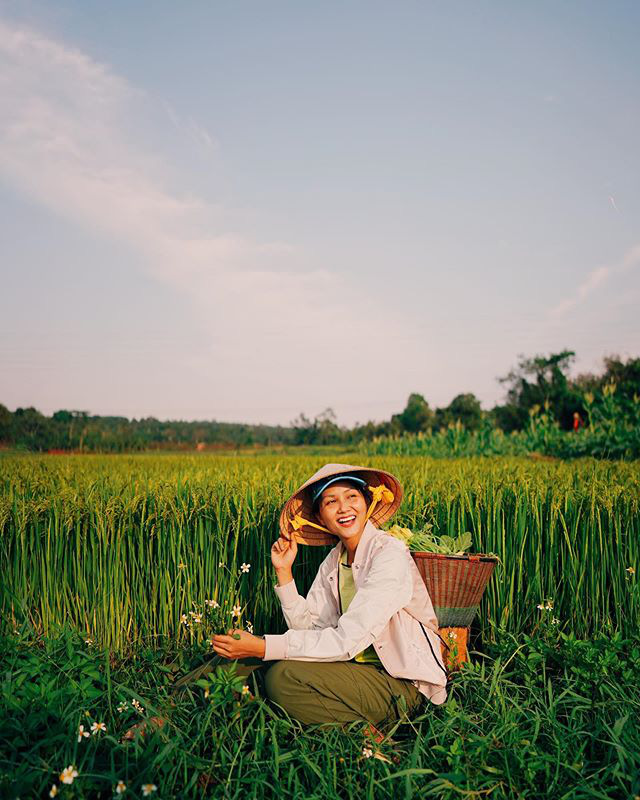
(282, 679)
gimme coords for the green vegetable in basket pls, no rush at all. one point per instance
(426, 542)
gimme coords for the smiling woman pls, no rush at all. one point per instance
(363, 644)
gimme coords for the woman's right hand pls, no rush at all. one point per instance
(284, 552)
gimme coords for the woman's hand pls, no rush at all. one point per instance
(246, 646)
(284, 552)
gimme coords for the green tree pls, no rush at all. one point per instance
(540, 381)
(465, 408)
(417, 415)
(6, 425)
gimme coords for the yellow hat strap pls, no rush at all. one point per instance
(379, 494)
(298, 521)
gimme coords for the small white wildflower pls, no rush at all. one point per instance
(250, 627)
(555, 621)
(549, 605)
(197, 619)
(541, 606)
(121, 787)
(181, 565)
(148, 788)
(88, 641)
(206, 693)
(212, 603)
(53, 791)
(245, 689)
(122, 708)
(631, 570)
(221, 563)
(138, 706)
(245, 568)
(68, 774)
(98, 726)
(367, 752)
(236, 611)
(82, 734)
(184, 620)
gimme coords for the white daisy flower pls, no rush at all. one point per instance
(245, 568)
(367, 752)
(245, 689)
(148, 788)
(122, 708)
(68, 774)
(98, 726)
(236, 611)
(82, 734)
(121, 787)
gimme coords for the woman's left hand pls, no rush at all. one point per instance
(246, 646)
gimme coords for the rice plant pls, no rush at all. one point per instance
(124, 548)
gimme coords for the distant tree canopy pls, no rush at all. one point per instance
(416, 417)
(538, 382)
(465, 409)
(77, 430)
(543, 381)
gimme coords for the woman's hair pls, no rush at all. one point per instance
(364, 492)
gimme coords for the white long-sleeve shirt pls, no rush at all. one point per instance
(390, 604)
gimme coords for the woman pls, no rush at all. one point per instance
(363, 644)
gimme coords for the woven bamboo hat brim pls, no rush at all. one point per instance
(298, 508)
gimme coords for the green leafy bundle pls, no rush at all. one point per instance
(426, 542)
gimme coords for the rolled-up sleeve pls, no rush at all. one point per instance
(316, 610)
(387, 588)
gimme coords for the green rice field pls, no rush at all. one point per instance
(104, 558)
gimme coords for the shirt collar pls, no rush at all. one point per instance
(369, 532)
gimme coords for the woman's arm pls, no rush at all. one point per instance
(388, 588)
(318, 610)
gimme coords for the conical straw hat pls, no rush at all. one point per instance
(297, 512)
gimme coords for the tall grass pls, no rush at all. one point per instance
(121, 546)
(548, 717)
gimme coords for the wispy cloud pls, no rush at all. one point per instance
(595, 280)
(66, 141)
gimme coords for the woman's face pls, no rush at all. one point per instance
(342, 509)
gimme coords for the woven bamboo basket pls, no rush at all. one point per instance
(455, 585)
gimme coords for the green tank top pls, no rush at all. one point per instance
(347, 590)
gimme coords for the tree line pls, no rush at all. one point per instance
(539, 382)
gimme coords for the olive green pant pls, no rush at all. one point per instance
(331, 691)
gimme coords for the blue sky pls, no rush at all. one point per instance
(244, 211)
